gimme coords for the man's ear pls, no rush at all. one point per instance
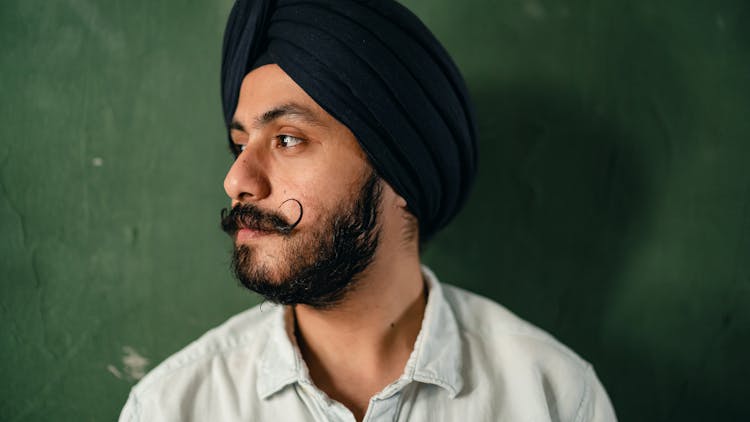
(391, 197)
(400, 202)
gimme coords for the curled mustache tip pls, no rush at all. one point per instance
(288, 228)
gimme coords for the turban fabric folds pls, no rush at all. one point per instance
(378, 70)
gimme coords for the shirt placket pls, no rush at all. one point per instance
(380, 409)
(383, 410)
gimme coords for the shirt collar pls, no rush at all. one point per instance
(436, 358)
(281, 362)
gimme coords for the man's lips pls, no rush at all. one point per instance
(245, 234)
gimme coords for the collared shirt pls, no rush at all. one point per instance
(473, 360)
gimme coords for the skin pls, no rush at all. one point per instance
(361, 345)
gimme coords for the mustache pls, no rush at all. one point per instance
(249, 216)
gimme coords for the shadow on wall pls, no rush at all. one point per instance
(563, 197)
(570, 187)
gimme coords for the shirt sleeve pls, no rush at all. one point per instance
(130, 410)
(595, 405)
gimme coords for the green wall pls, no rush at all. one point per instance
(611, 206)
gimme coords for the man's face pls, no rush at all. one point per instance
(296, 163)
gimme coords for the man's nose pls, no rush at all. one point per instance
(247, 179)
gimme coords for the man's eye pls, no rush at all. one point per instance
(288, 141)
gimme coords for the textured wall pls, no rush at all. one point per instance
(611, 207)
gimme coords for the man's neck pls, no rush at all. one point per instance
(360, 346)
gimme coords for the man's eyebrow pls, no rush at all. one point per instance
(290, 110)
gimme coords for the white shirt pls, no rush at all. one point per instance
(473, 360)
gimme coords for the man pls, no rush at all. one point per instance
(354, 142)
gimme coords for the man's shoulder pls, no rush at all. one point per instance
(504, 348)
(501, 333)
(243, 333)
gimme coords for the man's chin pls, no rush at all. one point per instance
(253, 271)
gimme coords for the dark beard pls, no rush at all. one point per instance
(320, 269)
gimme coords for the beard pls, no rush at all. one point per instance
(318, 268)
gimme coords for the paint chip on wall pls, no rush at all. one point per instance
(114, 371)
(134, 365)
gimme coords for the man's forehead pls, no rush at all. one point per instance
(268, 93)
(292, 111)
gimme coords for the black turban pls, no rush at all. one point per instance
(377, 69)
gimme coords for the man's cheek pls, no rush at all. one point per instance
(313, 210)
